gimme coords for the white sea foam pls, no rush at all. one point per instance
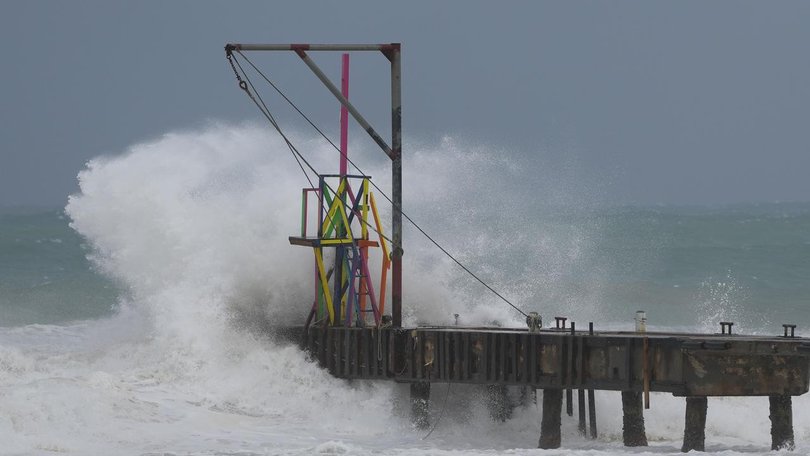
(194, 227)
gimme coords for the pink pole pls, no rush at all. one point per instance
(344, 116)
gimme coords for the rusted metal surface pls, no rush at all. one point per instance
(681, 364)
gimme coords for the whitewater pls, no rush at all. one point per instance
(146, 339)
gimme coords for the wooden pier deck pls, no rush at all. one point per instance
(695, 366)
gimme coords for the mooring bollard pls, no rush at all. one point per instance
(552, 418)
(633, 432)
(420, 404)
(694, 431)
(782, 422)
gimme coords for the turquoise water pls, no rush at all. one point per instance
(46, 277)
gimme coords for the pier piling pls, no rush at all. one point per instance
(569, 402)
(694, 432)
(550, 437)
(592, 413)
(633, 421)
(420, 404)
(782, 422)
(501, 360)
(581, 409)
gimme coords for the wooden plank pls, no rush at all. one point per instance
(524, 375)
(466, 352)
(446, 356)
(376, 361)
(490, 357)
(329, 351)
(533, 348)
(347, 352)
(419, 358)
(580, 359)
(569, 372)
(514, 357)
(628, 362)
(457, 356)
(501, 338)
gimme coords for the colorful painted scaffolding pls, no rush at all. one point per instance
(344, 204)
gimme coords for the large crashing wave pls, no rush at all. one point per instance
(195, 225)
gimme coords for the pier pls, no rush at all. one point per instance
(562, 360)
(350, 334)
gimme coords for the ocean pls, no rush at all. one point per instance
(127, 317)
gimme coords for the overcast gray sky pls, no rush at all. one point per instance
(681, 102)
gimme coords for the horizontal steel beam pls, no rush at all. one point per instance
(311, 47)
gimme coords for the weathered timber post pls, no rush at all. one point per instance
(498, 403)
(633, 421)
(569, 402)
(694, 431)
(420, 404)
(550, 437)
(581, 410)
(782, 422)
(592, 413)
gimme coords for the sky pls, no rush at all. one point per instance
(687, 102)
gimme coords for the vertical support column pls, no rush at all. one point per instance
(581, 410)
(420, 404)
(340, 251)
(569, 402)
(633, 421)
(694, 431)
(592, 413)
(782, 422)
(550, 436)
(344, 116)
(396, 186)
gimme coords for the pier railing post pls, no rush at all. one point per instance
(550, 436)
(694, 431)
(633, 421)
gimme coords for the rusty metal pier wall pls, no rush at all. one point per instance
(681, 364)
(695, 366)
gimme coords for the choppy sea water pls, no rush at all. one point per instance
(125, 317)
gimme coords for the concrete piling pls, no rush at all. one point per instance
(569, 402)
(633, 421)
(420, 404)
(592, 413)
(694, 431)
(581, 409)
(550, 437)
(782, 422)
